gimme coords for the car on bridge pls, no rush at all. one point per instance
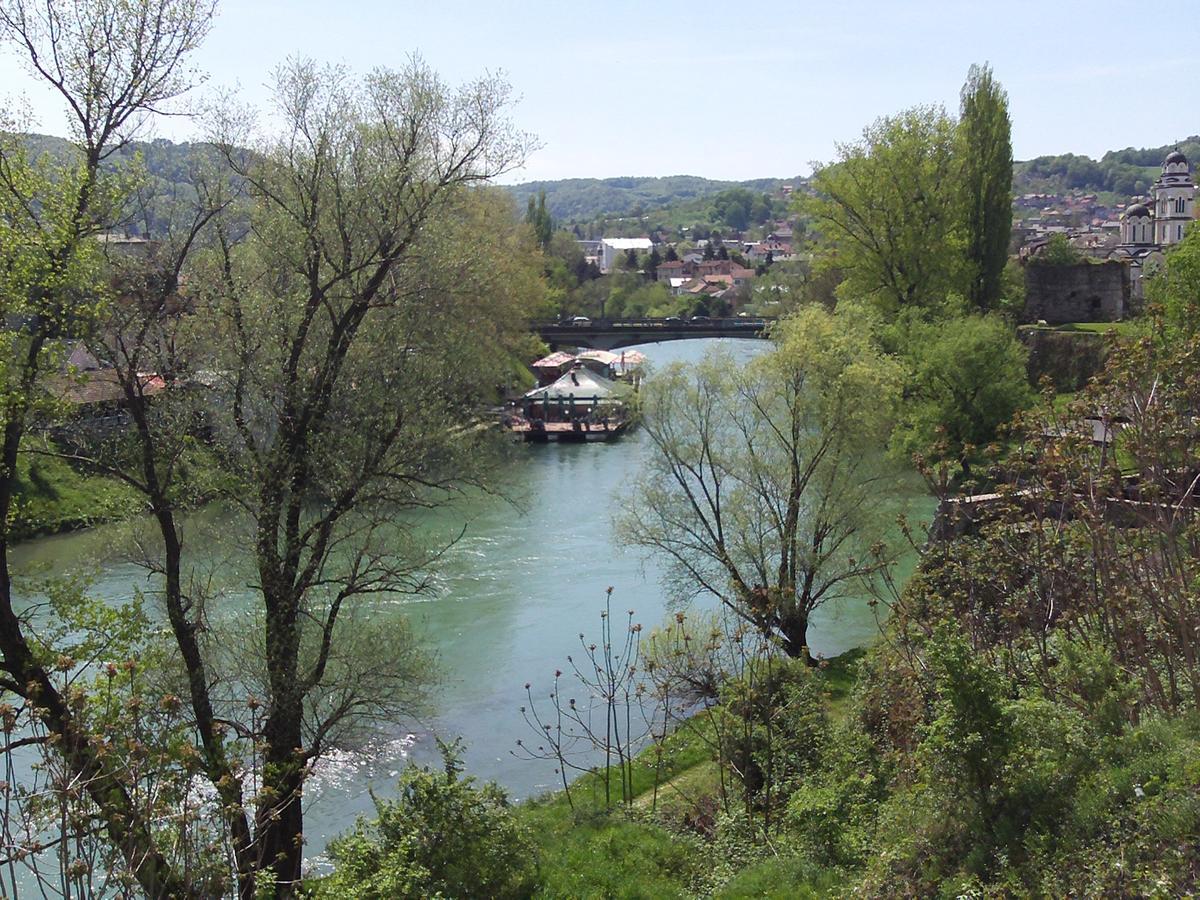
(581, 321)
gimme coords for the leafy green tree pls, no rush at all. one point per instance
(761, 487)
(441, 837)
(968, 379)
(1176, 285)
(113, 64)
(652, 263)
(630, 261)
(341, 324)
(887, 212)
(985, 148)
(1059, 251)
(538, 218)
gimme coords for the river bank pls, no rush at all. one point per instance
(507, 604)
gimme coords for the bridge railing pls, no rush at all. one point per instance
(651, 323)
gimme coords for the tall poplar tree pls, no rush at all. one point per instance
(985, 148)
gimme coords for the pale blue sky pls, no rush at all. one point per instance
(738, 90)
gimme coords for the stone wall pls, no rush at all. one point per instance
(1068, 358)
(1083, 292)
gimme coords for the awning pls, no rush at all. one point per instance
(554, 360)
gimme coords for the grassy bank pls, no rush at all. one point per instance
(52, 496)
(666, 843)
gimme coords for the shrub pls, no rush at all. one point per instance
(442, 836)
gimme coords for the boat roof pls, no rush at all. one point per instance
(582, 383)
(554, 360)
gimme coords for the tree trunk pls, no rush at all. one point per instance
(279, 821)
(793, 629)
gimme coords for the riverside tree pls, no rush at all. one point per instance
(762, 489)
(343, 320)
(985, 148)
(113, 64)
(318, 351)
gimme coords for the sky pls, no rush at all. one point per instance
(728, 90)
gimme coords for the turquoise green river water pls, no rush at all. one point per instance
(511, 598)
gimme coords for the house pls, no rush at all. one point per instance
(611, 249)
(776, 250)
(670, 270)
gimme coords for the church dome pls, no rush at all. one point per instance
(1175, 157)
(1138, 210)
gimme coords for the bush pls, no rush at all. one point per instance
(442, 837)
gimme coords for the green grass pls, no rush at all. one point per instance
(51, 496)
(1127, 328)
(591, 851)
(781, 878)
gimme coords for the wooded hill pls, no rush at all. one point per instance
(1126, 172)
(583, 199)
(578, 200)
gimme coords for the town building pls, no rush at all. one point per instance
(1147, 228)
(611, 249)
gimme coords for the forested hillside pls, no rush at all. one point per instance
(1129, 171)
(583, 199)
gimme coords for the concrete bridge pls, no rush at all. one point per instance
(612, 334)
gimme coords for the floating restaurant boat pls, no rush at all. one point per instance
(580, 405)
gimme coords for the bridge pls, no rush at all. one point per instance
(612, 334)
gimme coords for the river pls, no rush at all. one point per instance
(512, 597)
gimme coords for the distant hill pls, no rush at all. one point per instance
(1126, 172)
(584, 199)
(680, 199)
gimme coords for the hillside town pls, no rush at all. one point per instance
(1131, 233)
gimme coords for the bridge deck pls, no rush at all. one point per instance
(611, 334)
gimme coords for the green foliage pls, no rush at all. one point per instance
(1176, 285)
(985, 149)
(887, 212)
(1059, 251)
(782, 878)
(441, 837)
(1125, 172)
(584, 199)
(968, 379)
(789, 444)
(537, 218)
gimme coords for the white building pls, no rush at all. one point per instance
(1146, 228)
(611, 249)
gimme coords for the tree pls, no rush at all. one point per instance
(985, 148)
(1175, 287)
(968, 379)
(672, 256)
(538, 218)
(652, 263)
(113, 64)
(630, 261)
(887, 213)
(761, 489)
(1059, 251)
(342, 322)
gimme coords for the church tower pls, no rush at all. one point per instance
(1174, 199)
